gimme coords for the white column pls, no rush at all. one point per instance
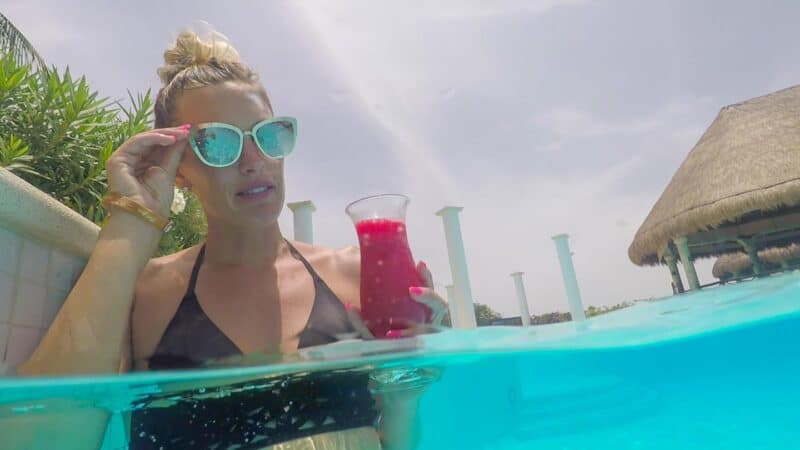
(686, 260)
(451, 302)
(465, 311)
(570, 280)
(522, 299)
(303, 226)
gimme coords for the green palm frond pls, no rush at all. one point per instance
(14, 42)
(57, 133)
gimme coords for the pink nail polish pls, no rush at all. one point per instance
(423, 265)
(414, 290)
(394, 334)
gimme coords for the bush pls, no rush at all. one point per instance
(484, 316)
(189, 228)
(56, 133)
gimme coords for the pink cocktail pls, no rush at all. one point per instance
(387, 267)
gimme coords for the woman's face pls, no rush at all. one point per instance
(223, 192)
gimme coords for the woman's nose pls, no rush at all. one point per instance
(252, 160)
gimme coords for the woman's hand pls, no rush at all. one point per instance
(430, 298)
(144, 167)
(421, 294)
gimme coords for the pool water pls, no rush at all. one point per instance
(717, 369)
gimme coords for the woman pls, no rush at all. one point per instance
(245, 289)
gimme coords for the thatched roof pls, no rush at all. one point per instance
(748, 160)
(728, 266)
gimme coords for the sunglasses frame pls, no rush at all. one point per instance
(242, 133)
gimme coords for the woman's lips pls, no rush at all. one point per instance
(255, 192)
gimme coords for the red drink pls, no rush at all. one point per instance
(387, 271)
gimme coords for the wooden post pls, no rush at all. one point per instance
(669, 258)
(752, 253)
(686, 259)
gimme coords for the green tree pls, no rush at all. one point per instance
(13, 42)
(56, 133)
(484, 315)
(189, 228)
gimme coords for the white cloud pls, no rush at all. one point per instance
(420, 160)
(577, 123)
(551, 147)
(570, 122)
(477, 9)
(43, 25)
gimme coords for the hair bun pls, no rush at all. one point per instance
(190, 49)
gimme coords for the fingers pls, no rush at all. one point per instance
(163, 161)
(173, 158)
(422, 270)
(355, 320)
(413, 331)
(146, 140)
(176, 131)
(155, 171)
(143, 143)
(432, 300)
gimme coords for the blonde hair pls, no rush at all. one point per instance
(192, 62)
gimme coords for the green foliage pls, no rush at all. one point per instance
(596, 311)
(14, 155)
(189, 228)
(591, 311)
(553, 317)
(56, 133)
(484, 316)
(12, 41)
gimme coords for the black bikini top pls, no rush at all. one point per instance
(191, 338)
(257, 414)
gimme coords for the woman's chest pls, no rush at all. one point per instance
(259, 313)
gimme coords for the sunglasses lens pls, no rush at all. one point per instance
(276, 139)
(217, 146)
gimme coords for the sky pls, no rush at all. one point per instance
(538, 117)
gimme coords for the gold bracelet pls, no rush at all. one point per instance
(137, 209)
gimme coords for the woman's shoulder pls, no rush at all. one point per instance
(342, 261)
(164, 273)
(157, 295)
(340, 268)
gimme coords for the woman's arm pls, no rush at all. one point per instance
(399, 427)
(89, 332)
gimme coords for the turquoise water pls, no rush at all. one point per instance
(718, 369)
